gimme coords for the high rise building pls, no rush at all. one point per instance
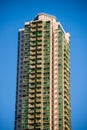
(43, 76)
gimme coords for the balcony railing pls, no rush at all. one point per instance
(37, 116)
(31, 96)
(31, 106)
(31, 111)
(31, 100)
(30, 116)
(31, 127)
(31, 121)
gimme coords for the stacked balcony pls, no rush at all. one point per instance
(35, 76)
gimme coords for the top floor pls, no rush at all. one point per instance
(45, 17)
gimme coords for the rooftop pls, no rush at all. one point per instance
(44, 16)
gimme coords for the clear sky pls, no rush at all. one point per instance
(73, 16)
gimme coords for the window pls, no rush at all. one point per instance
(59, 103)
(60, 119)
(47, 92)
(20, 76)
(60, 98)
(20, 81)
(19, 105)
(21, 54)
(21, 58)
(46, 118)
(60, 93)
(21, 49)
(18, 125)
(46, 102)
(46, 82)
(46, 108)
(46, 58)
(59, 64)
(21, 72)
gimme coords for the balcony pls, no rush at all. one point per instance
(38, 111)
(32, 24)
(32, 48)
(31, 80)
(38, 70)
(38, 90)
(39, 51)
(38, 38)
(66, 87)
(31, 127)
(33, 36)
(66, 91)
(32, 53)
(32, 39)
(39, 43)
(39, 61)
(31, 121)
(39, 35)
(31, 100)
(33, 44)
(66, 98)
(33, 29)
(39, 86)
(38, 100)
(31, 95)
(39, 28)
(25, 59)
(31, 116)
(31, 91)
(39, 23)
(38, 74)
(38, 79)
(31, 76)
(31, 111)
(38, 95)
(32, 66)
(31, 106)
(37, 116)
(38, 121)
(31, 86)
(39, 47)
(38, 105)
(32, 62)
(33, 73)
(67, 116)
(66, 112)
(32, 57)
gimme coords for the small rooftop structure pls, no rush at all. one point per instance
(43, 16)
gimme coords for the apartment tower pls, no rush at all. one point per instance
(43, 76)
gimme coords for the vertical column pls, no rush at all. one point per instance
(67, 109)
(19, 79)
(46, 76)
(55, 77)
(51, 76)
(60, 78)
(25, 82)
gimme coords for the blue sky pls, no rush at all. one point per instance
(73, 16)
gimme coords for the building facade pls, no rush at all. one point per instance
(43, 76)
